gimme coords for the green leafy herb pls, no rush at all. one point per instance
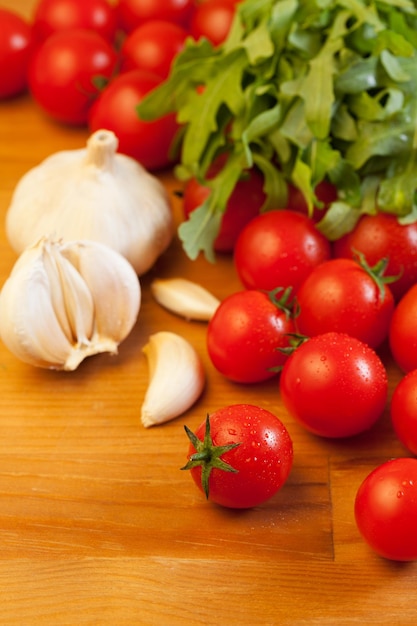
(304, 90)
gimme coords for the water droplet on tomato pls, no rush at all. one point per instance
(400, 494)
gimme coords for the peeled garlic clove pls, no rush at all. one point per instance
(177, 378)
(93, 193)
(185, 298)
(66, 301)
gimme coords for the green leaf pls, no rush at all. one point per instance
(304, 90)
(202, 227)
(339, 220)
(201, 111)
(393, 67)
(275, 184)
(390, 137)
(397, 193)
(192, 67)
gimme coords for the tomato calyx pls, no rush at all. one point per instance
(376, 272)
(285, 303)
(208, 455)
(295, 340)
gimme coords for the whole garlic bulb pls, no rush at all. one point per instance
(93, 193)
(66, 301)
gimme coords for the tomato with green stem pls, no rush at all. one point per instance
(383, 236)
(66, 73)
(334, 385)
(247, 332)
(240, 456)
(346, 295)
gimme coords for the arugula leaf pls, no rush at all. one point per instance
(303, 90)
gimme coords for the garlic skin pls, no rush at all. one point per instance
(177, 378)
(66, 301)
(93, 193)
(185, 298)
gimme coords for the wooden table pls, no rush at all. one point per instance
(99, 526)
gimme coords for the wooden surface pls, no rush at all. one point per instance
(99, 526)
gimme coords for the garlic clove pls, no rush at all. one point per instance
(116, 311)
(29, 325)
(54, 307)
(93, 193)
(177, 378)
(185, 298)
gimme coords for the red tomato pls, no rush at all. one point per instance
(279, 249)
(63, 70)
(245, 334)
(15, 52)
(51, 16)
(325, 192)
(334, 385)
(115, 109)
(404, 411)
(386, 509)
(132, 13)
(212, 19)
(403, 331)
(342, 295)
(382, 236)
(245, 456)
(153, 46)
(244, 204)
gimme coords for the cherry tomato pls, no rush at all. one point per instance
(325, 192)
(115, 109)
(245, 335)
(404, 411)
(403, 331)
(132, 13)
(212, 19)
(153, 46)
(386, 509)
(244, 204)
(63, 71)
(279, 249)
(245, 456)
(51, 16)
(382, 236)
(15, 51)
(334, 385)
(344, 296)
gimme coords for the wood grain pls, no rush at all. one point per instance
(99, 526)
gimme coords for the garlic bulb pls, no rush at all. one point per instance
(177, 378)
(185, 298)
(66, 301)
(93, 193)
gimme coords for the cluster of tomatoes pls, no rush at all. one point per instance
(314, 314)
(91, 63)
